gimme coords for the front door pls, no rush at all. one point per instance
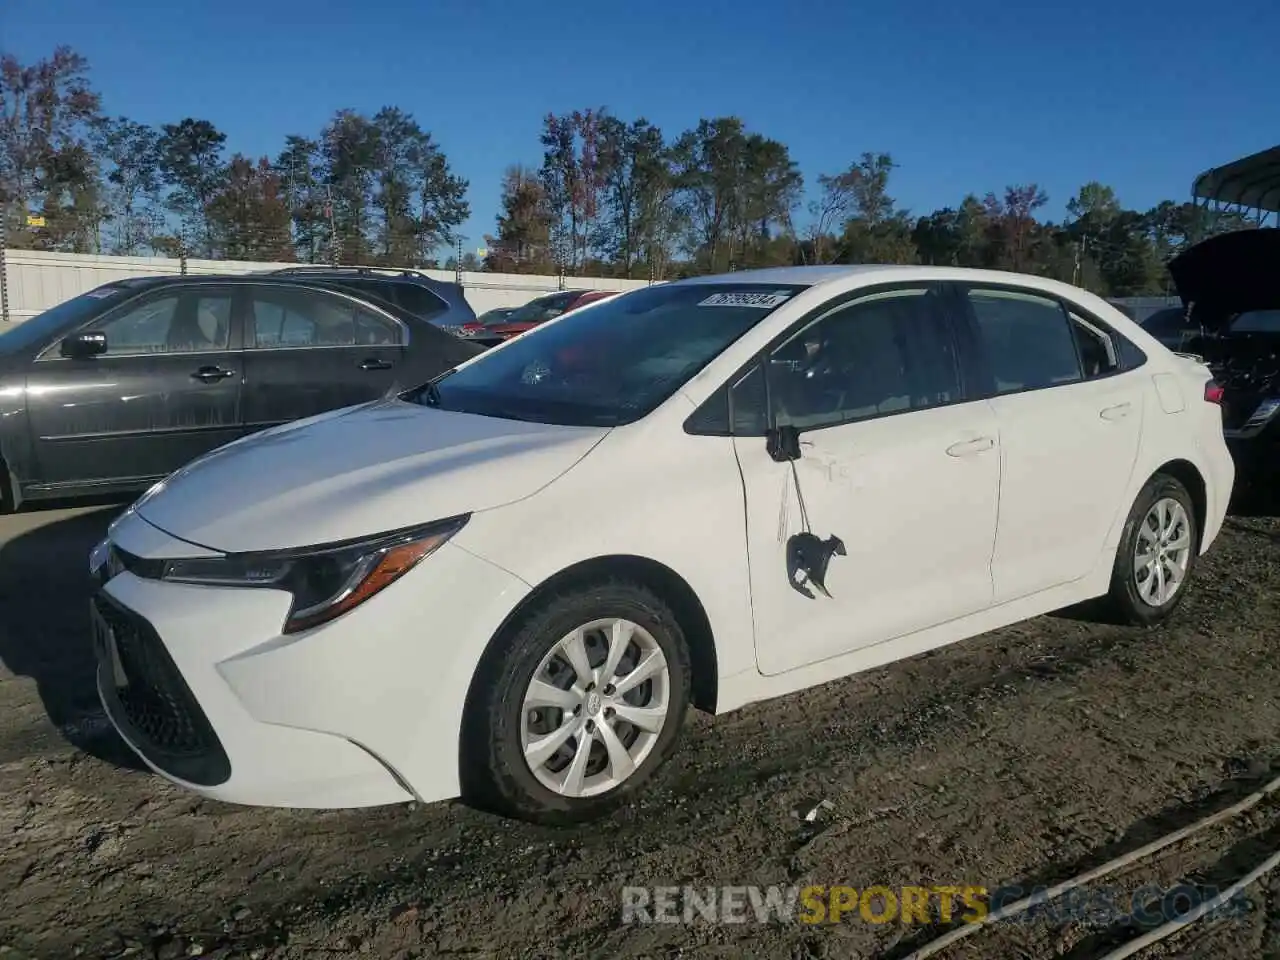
(308, 351)
(893, 462)
(166, 391)
(1070, 421)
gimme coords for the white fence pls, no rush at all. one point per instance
(38, 280)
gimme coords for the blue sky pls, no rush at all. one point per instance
(967, 96)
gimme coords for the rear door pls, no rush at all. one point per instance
(1070, 423)
(309, 350)
(166, 391)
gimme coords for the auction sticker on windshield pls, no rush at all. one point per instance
(765, 301)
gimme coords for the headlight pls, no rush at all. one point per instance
(325, 581)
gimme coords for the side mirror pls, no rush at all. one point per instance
(86, 343)
(783, 443)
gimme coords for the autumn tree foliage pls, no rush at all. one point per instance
(598, 194)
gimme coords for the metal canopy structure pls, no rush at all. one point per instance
(1249, 186)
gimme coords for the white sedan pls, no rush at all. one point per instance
(511, 583)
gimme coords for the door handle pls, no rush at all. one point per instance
(967, 448)
(1118, 412)
(212, 374)
(372, 364)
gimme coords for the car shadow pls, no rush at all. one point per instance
(44, 623)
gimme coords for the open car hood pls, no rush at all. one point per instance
(1230, 273)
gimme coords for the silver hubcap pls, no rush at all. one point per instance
(1162, 552)
(594, 708)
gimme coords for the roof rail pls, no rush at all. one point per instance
(357, 270)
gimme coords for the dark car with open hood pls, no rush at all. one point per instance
(1230, 285)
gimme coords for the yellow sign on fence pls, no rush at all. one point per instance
(34, 221)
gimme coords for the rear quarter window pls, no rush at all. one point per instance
(419, 301)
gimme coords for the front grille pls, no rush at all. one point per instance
(154, 706)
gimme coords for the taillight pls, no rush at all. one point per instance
(1213, 392)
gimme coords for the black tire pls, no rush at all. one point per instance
(495, 775)
(1123, 603)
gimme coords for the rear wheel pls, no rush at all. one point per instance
(1157, 554)
(580, 707)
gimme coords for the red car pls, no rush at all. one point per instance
(532, 314)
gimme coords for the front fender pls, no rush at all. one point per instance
(17, 454)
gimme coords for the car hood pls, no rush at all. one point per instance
(1230, 273)
(356, 472)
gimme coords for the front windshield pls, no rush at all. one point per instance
(65, 316)
(1257, 321)
(611, 364)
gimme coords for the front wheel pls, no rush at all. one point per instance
(579, 707)
(1157, 554)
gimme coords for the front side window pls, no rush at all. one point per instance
(1029, 339)
(887, 353)
(58, 320)
(611, 364)
(178, 322)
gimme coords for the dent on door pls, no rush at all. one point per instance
(875, 532)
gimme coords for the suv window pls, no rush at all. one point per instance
(1029, 340)
(280, 318)
(412, 297)
(1257, 321)
(887, 353)
(1168, 323)
(419, 301)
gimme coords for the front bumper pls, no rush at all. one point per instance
(365, 710)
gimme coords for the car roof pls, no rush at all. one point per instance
(877, 272)
(452, 294)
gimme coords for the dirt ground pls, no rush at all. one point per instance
(1021, 757)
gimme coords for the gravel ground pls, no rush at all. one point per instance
(1024, 756)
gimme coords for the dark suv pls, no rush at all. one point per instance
(436, 301)
(1172, 327)
(118, 387)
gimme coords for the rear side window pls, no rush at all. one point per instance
(1029, 340)
(284, 318)
(1097, 349)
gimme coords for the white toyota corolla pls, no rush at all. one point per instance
(511, 583)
